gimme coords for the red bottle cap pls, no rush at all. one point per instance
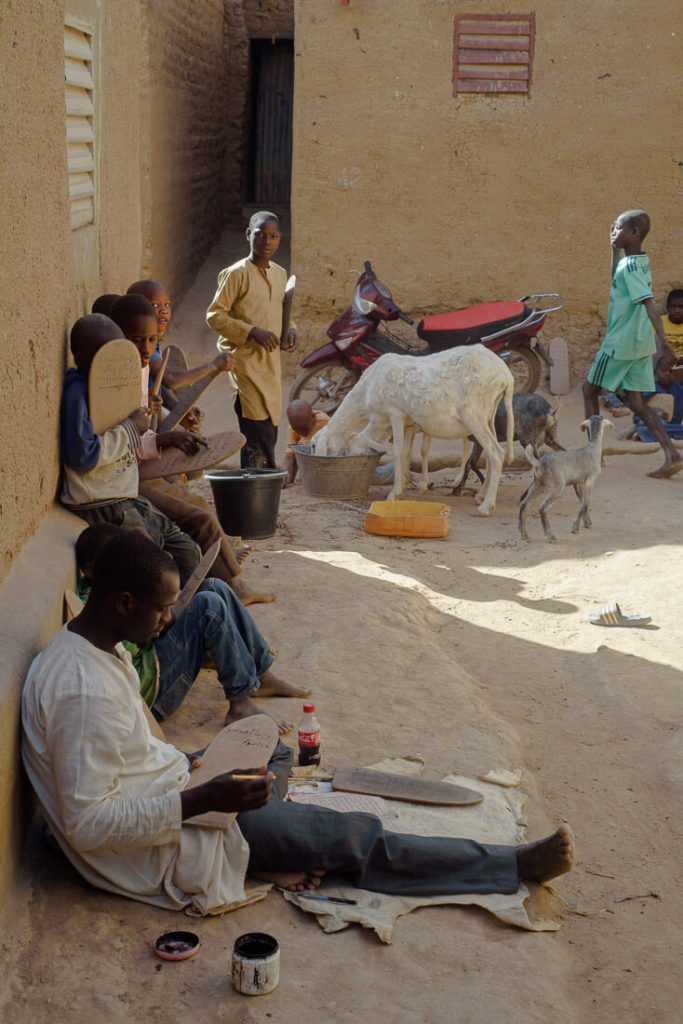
(309, 707)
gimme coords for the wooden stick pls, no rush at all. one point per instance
(162, 371)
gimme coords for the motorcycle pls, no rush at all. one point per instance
(359, 336)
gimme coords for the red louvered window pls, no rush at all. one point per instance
(493, 53)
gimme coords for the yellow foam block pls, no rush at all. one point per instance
(407, 519)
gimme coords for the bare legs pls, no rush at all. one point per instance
(673, 460)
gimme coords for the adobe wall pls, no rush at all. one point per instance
(466, 199)
(45, 283)
(245, 20)
(184, 85)
(159, 154)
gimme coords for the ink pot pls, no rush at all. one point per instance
(255, 964)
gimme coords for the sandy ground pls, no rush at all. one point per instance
(476, 652)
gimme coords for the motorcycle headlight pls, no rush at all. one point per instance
(365, 305)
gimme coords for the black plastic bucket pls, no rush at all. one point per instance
(247, 500)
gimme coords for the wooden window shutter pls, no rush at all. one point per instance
(80, 116)
(493, 53)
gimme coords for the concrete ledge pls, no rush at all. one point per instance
(31, 611)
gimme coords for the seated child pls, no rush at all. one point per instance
(247, 314)
(214, 622)
(103, 303)
(664, 385)
(673, 321)
(304, 422)
(134, 315)
(157, 295)
(100, 471)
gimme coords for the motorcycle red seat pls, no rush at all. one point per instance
(468, 326)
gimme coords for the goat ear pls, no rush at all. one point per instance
(375, 446)
(585, 425)
(608, 423)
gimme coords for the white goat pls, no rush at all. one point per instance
(554, 470)
(448, 394)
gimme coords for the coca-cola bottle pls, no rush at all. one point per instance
(309, 737)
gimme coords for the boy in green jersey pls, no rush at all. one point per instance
(624, 361)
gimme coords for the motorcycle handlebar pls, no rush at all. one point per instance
(406, 318)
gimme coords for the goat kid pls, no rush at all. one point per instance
(555, 470)
(535, 424)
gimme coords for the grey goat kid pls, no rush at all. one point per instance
(535, 424)
(554, 470)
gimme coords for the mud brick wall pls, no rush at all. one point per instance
(245, 20)
(475, 197)
(184, 84)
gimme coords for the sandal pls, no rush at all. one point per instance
(612, 615)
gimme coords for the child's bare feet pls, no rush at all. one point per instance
(247, 596)
(242, 553)
(245, 708)
(271, 685)
(295, 881)
(672, 465)
(547, 858)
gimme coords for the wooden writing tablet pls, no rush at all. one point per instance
(287, 303)
(187, 399)
(246, 744)
(195, 580)
(402, 787)
(114, 384)
(173, 461)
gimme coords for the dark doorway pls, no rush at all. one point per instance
(272, 89)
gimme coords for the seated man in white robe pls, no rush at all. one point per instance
(115, 796)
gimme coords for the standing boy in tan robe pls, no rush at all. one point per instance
(247, 314)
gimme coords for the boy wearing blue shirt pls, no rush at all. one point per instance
(624, 361)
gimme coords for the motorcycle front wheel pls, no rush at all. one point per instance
(324, 385)
(525, 367)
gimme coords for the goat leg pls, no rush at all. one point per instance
(523, 502)
(542, 510)
(424, 452)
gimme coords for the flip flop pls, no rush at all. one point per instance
(612, 615)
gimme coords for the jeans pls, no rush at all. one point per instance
(215, 622)
(286, 836)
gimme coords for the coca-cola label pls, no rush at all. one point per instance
(310, 739)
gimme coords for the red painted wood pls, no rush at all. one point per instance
(484, 42)
(475, 43)
(492, 57)
(469, 85)
(492, 28)
(493, 73)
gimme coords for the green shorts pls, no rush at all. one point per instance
(622, 374)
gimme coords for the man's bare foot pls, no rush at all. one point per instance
(670, 467)
(247, 596)
(547, 858)
(272, 686)
(295, 881)
(245, 708)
